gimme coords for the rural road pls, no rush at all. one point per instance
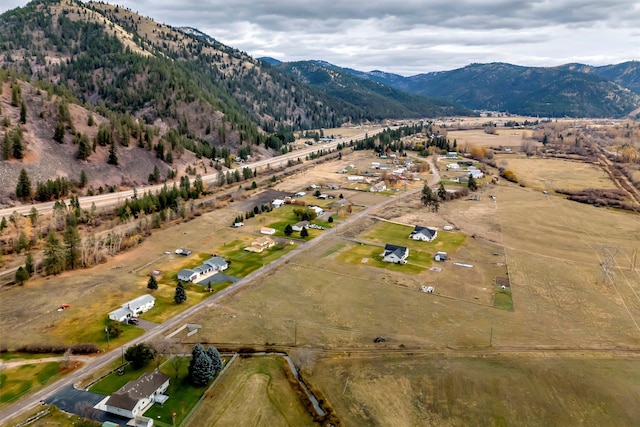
(116, 198)
(102, 361)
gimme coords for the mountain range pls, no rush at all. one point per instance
(573, 90)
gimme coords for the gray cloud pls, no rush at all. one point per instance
(412, 36)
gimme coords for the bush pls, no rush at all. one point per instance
(509, 175)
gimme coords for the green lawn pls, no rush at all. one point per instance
(92, 330)
(16, 382)
(113, 382)
(183, 396)
(165, 307)
(416, 263)
(503, 299)
(242, 263)
(386, 232)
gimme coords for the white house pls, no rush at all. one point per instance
(188, 275)
(135, 397)
(425, 234)
(476, 174)
(378, 186)
(318, 210)
(133, 308)
(217, 263)
(355, 178)
(395, 254)
(453, 166)
(267, 230)
(277, 203)
(300, 225)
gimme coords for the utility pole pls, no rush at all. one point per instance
(491, 338)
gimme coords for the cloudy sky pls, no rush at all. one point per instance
(411, 36)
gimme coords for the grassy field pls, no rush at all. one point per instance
(478, 137)
(253, 392)
(242, 263)
(16, 382)
(490, 391)
(359, 254)
(551, 174)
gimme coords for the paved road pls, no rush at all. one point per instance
(116, 198)
(102, 361)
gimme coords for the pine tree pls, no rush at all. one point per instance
(83, 179)
(29, 264)
(21, 276)
(6, 147)
(201, 369)
(84, 147)
(23, 113)
(113, 154)
(54, 255)
(3, 224)
(216, 360)
(288, 230)
(152, 283)
(18, 148)
(23, 189)
(180, 295)
(58, 134)
(473, 185)
(304, 232)
(442, 192)
(72, 245)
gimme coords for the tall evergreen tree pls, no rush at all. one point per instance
(6, 147)
(113, 154)
(442, 192)
(71, 239)
(216, 360)
(83, 179)
(29, 264)
(23, 113)
(201, 367)
(16, 144)
(23, 189)
(58, 133)
(54, 255)
(180, 295)
(84, 147)
(152, 283)
(21, 276)
(473, 185)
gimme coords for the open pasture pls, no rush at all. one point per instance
(253, 392)
(506, 137)
(551, 174)
(436, 389)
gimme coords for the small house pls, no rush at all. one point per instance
(217, 263)
(424, 234)
(452, 155)
(135, 397)
(476, 174)
(187, 275)
(440, 256)
(260, 244)
(277, 203)
(453, 166)
(318, 210)
(378, 186)
(395, 254)
(300, 225)
(267, 230)
(133, 308)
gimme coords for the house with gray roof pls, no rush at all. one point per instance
(135, 397)
(395, 254)
(217, 263)
(133, 308)
(425, 234)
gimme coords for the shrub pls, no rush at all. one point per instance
(509, 175)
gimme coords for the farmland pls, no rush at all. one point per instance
(261, 381)
(557, 346)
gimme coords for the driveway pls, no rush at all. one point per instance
(145, 324)
(72, 400)
(218, 278)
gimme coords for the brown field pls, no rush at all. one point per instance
(553, 250)
(506, 137)
(551, 174)
(440, 390)
(253, 392)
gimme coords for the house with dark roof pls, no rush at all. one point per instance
(425, 234)
(395, 254)
(135, 397)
